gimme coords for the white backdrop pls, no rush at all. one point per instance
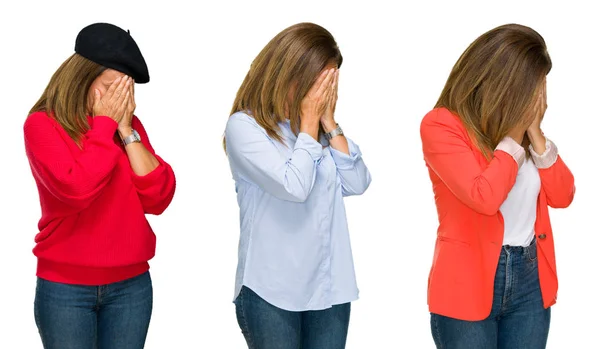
(397, 57)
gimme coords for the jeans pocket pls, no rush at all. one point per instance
(531, 252)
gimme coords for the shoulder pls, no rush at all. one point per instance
(441, 116)
(39, 120)
(242, 122)
(241, 117)
(440, 120)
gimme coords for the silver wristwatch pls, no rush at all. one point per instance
(134, 137)
(336, 132)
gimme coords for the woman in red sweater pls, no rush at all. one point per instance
(97, 176)
(494, 174)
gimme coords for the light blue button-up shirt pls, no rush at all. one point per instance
(294, 248)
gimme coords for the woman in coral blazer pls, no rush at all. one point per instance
(494, 174)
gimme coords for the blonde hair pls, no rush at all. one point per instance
(291, 61)
(66, 97)
(494, 84)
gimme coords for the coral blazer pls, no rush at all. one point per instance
(469, 191)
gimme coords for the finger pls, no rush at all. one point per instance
(326, 83)
(336, 84)
(334, 98)
(113, 87)
(123, 103)
(131, 103)
(318, 82)
(123, 86)
(132, 93)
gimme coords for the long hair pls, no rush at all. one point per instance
(66, 97)
(283, 73)
(494, 84)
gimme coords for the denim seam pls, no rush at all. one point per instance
(243, 312)
(36, 315)
(507, 280)
(437, 333)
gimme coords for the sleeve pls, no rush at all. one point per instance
(557, 180)
(74, 180)
(351, 169)
(157, 188)
(254, 157)
(448, 153)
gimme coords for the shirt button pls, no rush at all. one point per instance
(542, 236)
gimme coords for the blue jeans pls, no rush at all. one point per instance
(517, 320)
(267, 327)
(113, 316)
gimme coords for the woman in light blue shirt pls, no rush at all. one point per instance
(292, 165)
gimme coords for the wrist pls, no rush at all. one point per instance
(125, 131)
(329, 125)
(535, 135)
(309, 123)
(535, 131)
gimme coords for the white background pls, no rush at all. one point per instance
(397, 57)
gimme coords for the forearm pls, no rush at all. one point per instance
(311, 128)
(141, 160)
(339, 143)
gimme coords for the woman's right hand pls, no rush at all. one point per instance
(314, 104)
(518, 133)
(114, 102)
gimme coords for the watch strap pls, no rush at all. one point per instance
(134, 137)
(335, 132)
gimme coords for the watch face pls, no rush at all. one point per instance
(136, 135)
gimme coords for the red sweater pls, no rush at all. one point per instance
(93, 229)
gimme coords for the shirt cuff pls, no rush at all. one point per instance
(514, 149)
(546, 159)
(344, 161)
(310, 145)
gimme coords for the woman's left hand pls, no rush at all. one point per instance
(328, 120)
(539, 110)
(125, 123)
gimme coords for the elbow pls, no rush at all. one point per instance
(489, 210)
(156, 205)
(155, 210)
(300, 197)
(366, 184)
(562, 202)
(293, 193)
(486, 208)
(77, 199)
(358, 189)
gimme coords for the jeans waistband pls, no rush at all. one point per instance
(519, 249)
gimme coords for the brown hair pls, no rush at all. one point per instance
(493, 85)
(292, 60)
(66, 97)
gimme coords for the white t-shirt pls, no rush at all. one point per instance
(519, 210)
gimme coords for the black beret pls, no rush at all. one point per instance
(112, 47)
